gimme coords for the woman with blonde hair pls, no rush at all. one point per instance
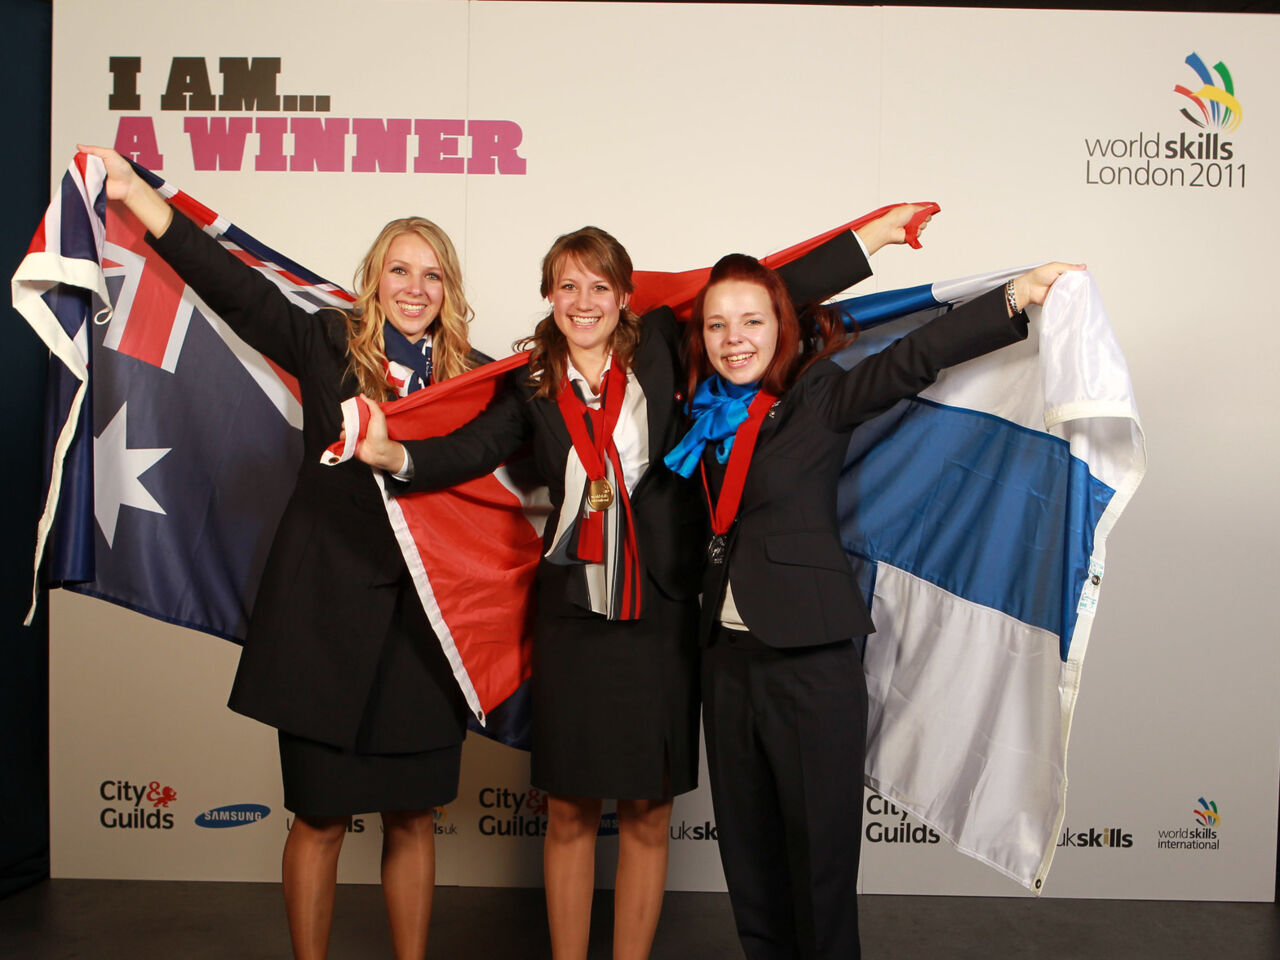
(339, 655)
(615, 657)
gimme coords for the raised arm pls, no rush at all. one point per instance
(840, 262)
(246, 300)
(911, 364)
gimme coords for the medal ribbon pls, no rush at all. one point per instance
(724, 510)
(592, 450)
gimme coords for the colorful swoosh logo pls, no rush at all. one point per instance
(1215, 105)
(1207, 813)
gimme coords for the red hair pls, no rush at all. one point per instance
(805, 337)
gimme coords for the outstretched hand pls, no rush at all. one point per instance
(1033, 286)
(124, 184)
(891, 227)
(120, 173)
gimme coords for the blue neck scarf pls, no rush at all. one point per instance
(719, 408)
(415, 356)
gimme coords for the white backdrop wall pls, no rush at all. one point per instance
(688, 131)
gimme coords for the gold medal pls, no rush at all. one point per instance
(599, 494)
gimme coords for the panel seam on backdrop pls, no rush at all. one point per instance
(466, 177)
(880, 139)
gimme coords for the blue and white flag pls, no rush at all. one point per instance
(976, 517)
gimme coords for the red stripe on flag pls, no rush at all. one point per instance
(246, 257)
(194, 209)
(37, 242)
(149, 325)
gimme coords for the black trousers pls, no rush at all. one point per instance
(786, 743)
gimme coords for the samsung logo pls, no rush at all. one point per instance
(233, 815)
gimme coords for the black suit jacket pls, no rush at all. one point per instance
(792, 582)
(671, 526)
(329, 587)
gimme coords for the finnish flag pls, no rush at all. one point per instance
(976, 516)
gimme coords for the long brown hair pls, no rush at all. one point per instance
(450, 344)
(804, 338)
(598, 252)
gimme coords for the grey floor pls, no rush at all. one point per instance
(108, 919)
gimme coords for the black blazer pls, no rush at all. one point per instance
(332, 576)
(792, 583)
(671, 526)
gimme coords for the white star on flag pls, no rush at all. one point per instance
(116, 474)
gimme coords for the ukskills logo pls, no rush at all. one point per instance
(232, 815)
(1203, 836)
(684, 830)
(1096, 838)
(1198, 156)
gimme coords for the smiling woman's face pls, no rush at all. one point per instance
(739, 330)
(411, 286)
(586, 309)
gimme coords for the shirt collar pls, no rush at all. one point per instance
(575, 375)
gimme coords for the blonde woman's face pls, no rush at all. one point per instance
(411, 287)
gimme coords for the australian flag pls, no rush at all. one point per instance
(171, 446)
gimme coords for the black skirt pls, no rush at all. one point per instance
(615, 703)
(409, 745)
(321, 780)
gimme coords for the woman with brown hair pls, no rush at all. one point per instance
(615, 661)
(339, 655)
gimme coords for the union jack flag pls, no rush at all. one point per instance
(137, 445)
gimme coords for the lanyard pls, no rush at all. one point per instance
(724, 509)
(591, 450)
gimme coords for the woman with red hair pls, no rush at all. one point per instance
(784, 697)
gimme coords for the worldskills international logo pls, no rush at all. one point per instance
(1200, 838)
(1207, 813)
(1212, 105)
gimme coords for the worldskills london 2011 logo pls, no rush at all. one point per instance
(1198, 157)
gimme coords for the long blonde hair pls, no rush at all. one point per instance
(450, 345)
(603, 255)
